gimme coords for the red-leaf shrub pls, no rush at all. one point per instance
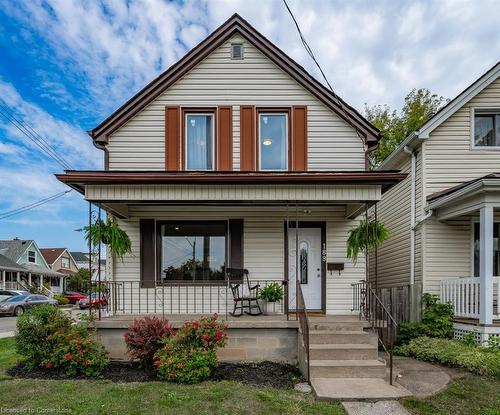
(190, 354)
(144, 338)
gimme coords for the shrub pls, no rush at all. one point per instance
(49, 339)
(144, 338)
(34, 328)
(272, 292)
(476, 359)
(437, 321)
(190, 355)
(61, 299)
(180, 364)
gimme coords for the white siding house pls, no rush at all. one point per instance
(458, 155)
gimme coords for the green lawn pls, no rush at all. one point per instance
(470, 395)
(104, 397)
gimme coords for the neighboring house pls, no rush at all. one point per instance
(10, 272)
(235, 157)
(445, 216)
(33, 269)
(60, 260)
(82, 261)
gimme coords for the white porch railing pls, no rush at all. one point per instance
(463, 294)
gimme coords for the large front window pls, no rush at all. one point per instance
(273, 141)
(193, 251)
(199, 141)
(496, 249)
(487, 129)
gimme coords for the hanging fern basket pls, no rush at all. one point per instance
(110, 234)
(371, 235)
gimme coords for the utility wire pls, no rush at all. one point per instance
(33, 205)
(311, 54)
(32, 135)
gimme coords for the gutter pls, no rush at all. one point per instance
(413, 196)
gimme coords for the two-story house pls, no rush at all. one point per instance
(236, 158)
(61, 261)
(31, 271)
(445, 216)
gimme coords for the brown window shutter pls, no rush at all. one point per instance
(236, 243)
(148, 253)
(299, 138)
(248, 140)
(225, 139)
(172, 138)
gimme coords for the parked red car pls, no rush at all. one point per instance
(74, 296)
(98, 300)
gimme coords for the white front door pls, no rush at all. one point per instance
(309, 270)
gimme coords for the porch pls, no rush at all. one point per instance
(468, 216)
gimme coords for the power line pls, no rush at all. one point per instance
(31, 134)
(311, 54)
(33, 205)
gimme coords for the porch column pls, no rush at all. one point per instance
(29, 279)
(3, 279)
(486, 265)
(40, 280)
(18, 276)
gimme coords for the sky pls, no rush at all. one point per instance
(66, 65)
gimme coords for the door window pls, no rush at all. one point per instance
(304, 261)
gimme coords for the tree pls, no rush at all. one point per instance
(419, 106)
(79, 281)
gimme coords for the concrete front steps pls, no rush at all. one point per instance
(344, 361)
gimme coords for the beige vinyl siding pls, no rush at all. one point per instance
(450, 160)
(214, 192)
(448, 251)
(263, 244)
(218, 80)
(394, 211)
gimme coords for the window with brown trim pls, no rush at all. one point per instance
(273, 140)
(192, 251)
(199, 139)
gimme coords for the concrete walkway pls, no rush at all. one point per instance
(419, 378)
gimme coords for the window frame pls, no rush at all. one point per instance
(484, 111)
(62, 264)
(160, 281)
(199, 111)
(475, 221)
(34, 256)
(275, 111)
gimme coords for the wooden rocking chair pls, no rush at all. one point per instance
(245, 296)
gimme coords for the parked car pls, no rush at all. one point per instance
(98, 300)
(4, 294)
(74, 296)
(18, 304)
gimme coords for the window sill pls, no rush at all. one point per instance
(182, 283)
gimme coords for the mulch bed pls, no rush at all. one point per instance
(278, 375)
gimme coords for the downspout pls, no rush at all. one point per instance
(412, 154)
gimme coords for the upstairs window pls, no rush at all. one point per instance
(65, 262)
(199, 141)
(273, 141)
(32, 256)
(486, 128)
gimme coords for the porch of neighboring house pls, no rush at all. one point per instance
(468, 221)
(34, 277)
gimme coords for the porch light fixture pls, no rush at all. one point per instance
(267, 141)
(176, 228)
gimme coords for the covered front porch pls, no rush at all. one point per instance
(188, 228)
(472, 214)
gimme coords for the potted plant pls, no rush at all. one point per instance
(110, 234)
(366, 236)
(271, 294)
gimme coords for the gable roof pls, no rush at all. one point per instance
(234, 25)
(9, 265)
(51, 254)
(14, 248)
(79, 256)
(416, 137)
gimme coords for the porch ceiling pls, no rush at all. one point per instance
(466, 198)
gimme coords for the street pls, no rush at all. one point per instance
(8, 324)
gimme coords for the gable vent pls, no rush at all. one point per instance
(236, 51)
